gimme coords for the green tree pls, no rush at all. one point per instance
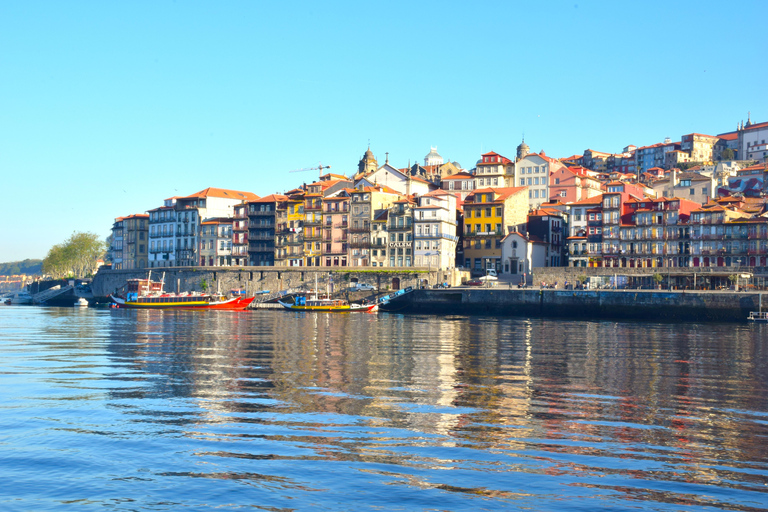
(76, 257)
(727, 154)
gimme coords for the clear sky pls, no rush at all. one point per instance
(107, 108)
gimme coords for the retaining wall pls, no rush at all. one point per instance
(593, 304)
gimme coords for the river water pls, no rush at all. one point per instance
(276, 410)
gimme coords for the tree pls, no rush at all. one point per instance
(76, 257)
(727, 154)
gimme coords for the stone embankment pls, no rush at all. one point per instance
(274, 279)
(587, 304)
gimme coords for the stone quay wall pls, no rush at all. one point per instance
(587, 304)
(274, 279)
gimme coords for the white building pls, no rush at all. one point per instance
(162, 235)
(216, 243)
(533, 171)
(434, 225)
(520, 254)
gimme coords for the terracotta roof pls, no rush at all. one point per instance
(588, 201)
(463, 175)
(270, 198)
(729, 136)
(756, 126)
(225, 193)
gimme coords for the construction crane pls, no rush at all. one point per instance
(319, 168)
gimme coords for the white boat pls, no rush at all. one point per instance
(18, 298)
(82, 302)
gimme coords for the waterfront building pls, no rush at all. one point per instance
(262, 230)
(533, 171)
(192, 210)
(364, 201)
(216, 243)
(521, 254)
(116, 244)
(400, 230)
(335, 229)
(434, 230)
(494, 170)
(313, 225)
(578, 213)
(490, 213)
(654, 233)
(548, 226)
(162, 235)
(379, 238)
(135, 241)
(289, 218)
(240, 235)
(729, 232)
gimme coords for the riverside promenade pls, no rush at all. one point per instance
(684, 305)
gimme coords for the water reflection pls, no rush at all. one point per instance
(380, 411)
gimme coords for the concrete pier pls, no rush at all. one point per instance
(587, 304)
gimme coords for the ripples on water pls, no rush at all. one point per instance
(151, 410)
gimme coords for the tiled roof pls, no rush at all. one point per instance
(224, 193)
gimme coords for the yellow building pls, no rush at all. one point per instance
(489, 214)
(289, 244)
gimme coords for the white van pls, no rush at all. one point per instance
(491, 272)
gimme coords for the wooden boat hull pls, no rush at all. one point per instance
(231, 304)
(346, 308)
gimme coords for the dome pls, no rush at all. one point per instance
(433, 157)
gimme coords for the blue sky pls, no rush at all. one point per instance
(107, 108)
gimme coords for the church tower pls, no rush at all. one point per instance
(522, 151)
(367, 164)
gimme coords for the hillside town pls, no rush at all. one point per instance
(696, 202)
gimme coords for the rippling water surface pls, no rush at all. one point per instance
(274, 410)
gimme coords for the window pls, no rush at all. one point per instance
(692, 192)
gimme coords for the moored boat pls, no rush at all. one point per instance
(331, 305)
(146, 294)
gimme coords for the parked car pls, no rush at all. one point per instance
(475, 282)
(362, 287)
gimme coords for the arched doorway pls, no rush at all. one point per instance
(395, 283)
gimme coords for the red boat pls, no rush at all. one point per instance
(145, 294)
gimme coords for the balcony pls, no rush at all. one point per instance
(405, 227)
(261, 213)
(261, 236)
(313, 222)
(364, 229)
(360, 244)
(378, 243)
(312, 237)
(316, 207)
(342, 238)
